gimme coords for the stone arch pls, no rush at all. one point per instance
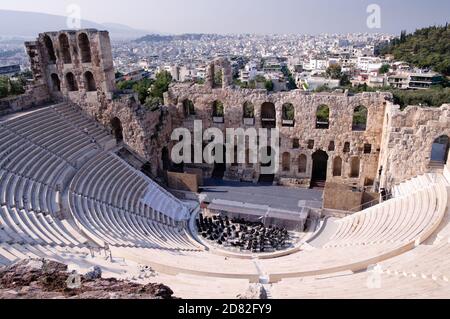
(337, 166)
(286, 162)
(89, 82)
(65, 48)
(288, 111)
(50, 49)
(188, 108)
(248, 161)
(249, 110)
(266, 177)
(117, 129)
(320, 168)
(218, 109)
(85, 48)
(323, 117)
(165, 159)
(71, 82)
(268, 115)
(440, 150)
(220, 163)
(302, 163)
(219, 73)
(56, 82)
(346, 147)
(355, 167)
(360, 114)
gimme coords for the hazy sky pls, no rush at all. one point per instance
(249, 16)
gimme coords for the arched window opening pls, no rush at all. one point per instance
(90, 82)
(288, 115)
(165, 158)
(346, 147)
(440, 150)
(302, 164)
(188, 108)
(218, 76)
(50, 49)
(337, 167)
(332, 146)
(360, 118)
(56, 83)
(71, 82)
(320, 169)
(218, 112)
(267, 159)
(323, 117)
(249, 113)
(286, 162)
(355, 167)
(117, 130)
(85, 48)
(220, 164)
(268, 115)
(65, 49)
(248, 161)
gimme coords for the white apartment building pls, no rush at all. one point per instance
(368, 64)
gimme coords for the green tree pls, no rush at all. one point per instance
(161, 85)
(218, 76)
(16, 87)
(334, 71)
(126, 85)
(269, 85)
(218, 109)
(4, 87)
(153, 103)
(291, 85)
(323, 113)
(425, 48)
(142, 88)
(384, 69)
(345, 80)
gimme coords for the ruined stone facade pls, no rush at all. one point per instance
(408, 138)
(77, 67)
(318, 135)
(300, 138)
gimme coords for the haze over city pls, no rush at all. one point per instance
(251, 16)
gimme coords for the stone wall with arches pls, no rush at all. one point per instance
(75, 65)
(295, 113)
(358, 140)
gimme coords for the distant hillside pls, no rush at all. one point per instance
(29, 24)
(168, 38)
(425, 48)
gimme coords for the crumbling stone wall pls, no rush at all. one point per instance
(340, 127)
(408, 140)
(34, 96)
(219, 64)
(89, 51)
(395, 143)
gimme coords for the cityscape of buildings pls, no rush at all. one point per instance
(288, 61)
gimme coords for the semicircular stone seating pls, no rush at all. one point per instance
(63, 195)
(105, 198)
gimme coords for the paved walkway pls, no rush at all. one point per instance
(274, 196)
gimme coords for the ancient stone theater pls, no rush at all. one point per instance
(359, 200)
